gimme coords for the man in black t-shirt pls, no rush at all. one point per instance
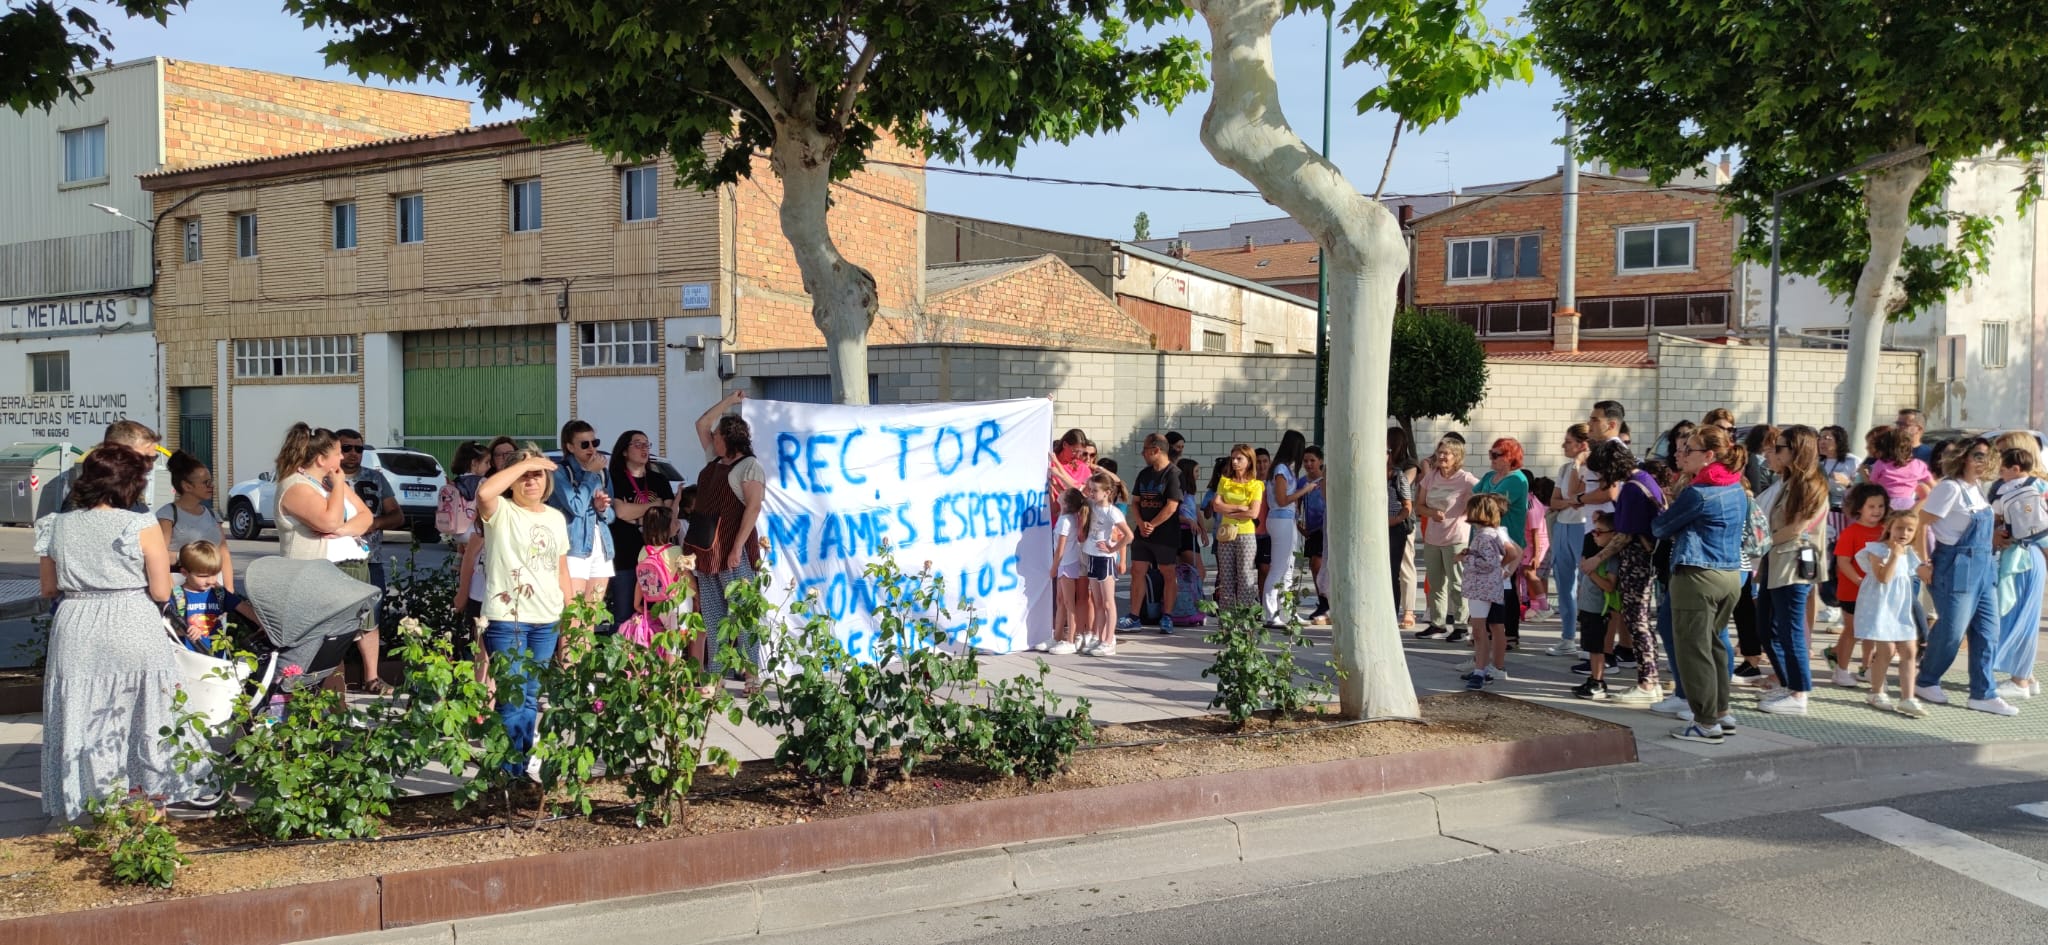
(1155, 522)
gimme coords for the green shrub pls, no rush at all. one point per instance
(1019, 731)
(1253, 669)
(129, 827)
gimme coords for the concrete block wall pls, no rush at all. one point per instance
(1215, 400)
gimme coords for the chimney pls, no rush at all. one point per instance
(1405, 213)
(1727, 168)
(1248, 244)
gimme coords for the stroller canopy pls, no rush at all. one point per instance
(302, 603)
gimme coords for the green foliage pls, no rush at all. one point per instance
(34, 650)
(1435, 55)
(129, 827)
(1803, 91)
(422, 594)
(837, 713)
(1020, 731)
(1439, 368)
(639, 713)
(43, 43)
(1253, 669)
(954, 77)
(1141, 228)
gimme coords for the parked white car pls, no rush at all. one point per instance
(252, 505)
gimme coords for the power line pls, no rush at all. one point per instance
(1227, 192)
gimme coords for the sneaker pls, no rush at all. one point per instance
(1830, 615)
(1728, 724)
(1637, 695)
(1790, 704)
(1911, 708)
(1430, 632)
(1497, 675)
(1931, 694)
(1321, 611)
(1166, 626)
(1468, 674)
(1063, 648)
(1624, 659)
(1468, 665)
(1563, 648)
(1748, 671)
(1774, 694)
(1475, 680)
(1846, 679)
(2013, 692)
(1514, 643)
(1583, 667)
(1994, 706)
(1458, 635)
(1127, 622)
(1592, 690)
(2033, 687)
(1672, 706)
(1710, 735)
(1101, 649)
(1880, 700)
(1041, 647)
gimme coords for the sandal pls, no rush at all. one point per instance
(378, 687)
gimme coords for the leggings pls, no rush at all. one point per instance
(711, 606)
(1235, 575)
(1636, 579)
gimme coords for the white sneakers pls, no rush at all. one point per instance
(1674, 707)
(1791, 703)
(1994, 706)
(1063, 648)
(1636, 695)
(1931, 694)
(1879, 700)
(2013, 692)
(1564, 648)
(1912, 709)
(1846, 679)
(1100, 649)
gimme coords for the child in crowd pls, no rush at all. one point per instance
(1490, 558)
(1108, 536)
(1536, 565)
(2018, 497)
(1904, 479)
(1866, 507)
(1073, 601)
(1885, 610)
(202, 602)
(1599, 608)
(659, 589)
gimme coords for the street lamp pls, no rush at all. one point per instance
(1877, 163)
(116, 212)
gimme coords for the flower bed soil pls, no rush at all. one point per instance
(45, 874)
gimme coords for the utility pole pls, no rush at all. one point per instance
(1323, 252)
(1568, 242)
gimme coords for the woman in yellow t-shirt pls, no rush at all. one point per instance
(1239, 494)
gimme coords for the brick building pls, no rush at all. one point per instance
(76, 266)
(1650, 259)
(961, 297)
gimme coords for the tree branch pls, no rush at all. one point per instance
(752, 81)
(843, 115)
(1388, 167)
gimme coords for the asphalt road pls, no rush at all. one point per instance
(1772, 880)
(18, 560)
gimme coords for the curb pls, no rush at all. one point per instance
(1468, 820)
(992, 848)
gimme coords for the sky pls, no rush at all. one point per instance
(1508, 133)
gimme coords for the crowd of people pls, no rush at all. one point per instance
(1915, 548)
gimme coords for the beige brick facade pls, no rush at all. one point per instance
(218, 113)
(1067, 311)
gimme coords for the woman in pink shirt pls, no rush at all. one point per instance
(1445, 489)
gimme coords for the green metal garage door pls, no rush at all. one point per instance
(478, 383)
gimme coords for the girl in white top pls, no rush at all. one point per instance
(1073, 601)
(1884, 610)
(1107, 538)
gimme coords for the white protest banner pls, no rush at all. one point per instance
(962, 486)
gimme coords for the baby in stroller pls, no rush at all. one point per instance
(310, 614)
(201, 607)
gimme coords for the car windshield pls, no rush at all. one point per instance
(415, 465)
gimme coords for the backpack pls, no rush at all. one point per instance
(653, 575)
(455, 508)
(2025, 509)
(1754, 529)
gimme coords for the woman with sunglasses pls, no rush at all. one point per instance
(1795, 507)
(1960, 524)
(639, 489)
(582, 494)
(1705, 524)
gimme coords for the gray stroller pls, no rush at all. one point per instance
(312, 613)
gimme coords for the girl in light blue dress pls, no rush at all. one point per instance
(1884, 610)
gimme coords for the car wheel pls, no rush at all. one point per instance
(242, 521)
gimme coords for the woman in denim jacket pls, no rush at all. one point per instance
(583, 496)
(1705, 525)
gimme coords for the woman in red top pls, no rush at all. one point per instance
(1864, 507)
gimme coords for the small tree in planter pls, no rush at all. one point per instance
(1439, 369)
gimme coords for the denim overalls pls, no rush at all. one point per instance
(1965, 593)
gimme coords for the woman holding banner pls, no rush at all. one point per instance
(722, 529)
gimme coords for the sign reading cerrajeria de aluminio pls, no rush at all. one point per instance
(88, 315)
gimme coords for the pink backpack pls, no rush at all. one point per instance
(455, 510)
(657, 583)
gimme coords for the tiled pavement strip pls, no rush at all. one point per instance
(1155, 677)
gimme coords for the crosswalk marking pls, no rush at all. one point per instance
(1998, 868)
(2038, 810)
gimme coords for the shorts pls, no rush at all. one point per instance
(1592, 632)
(1157, 553)
(1187, 539)
(1506, 613)
(1848, 607)
(595, 566)
(1074, 570)
(1100, 567)
(1265, 553)
(1313, 546)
